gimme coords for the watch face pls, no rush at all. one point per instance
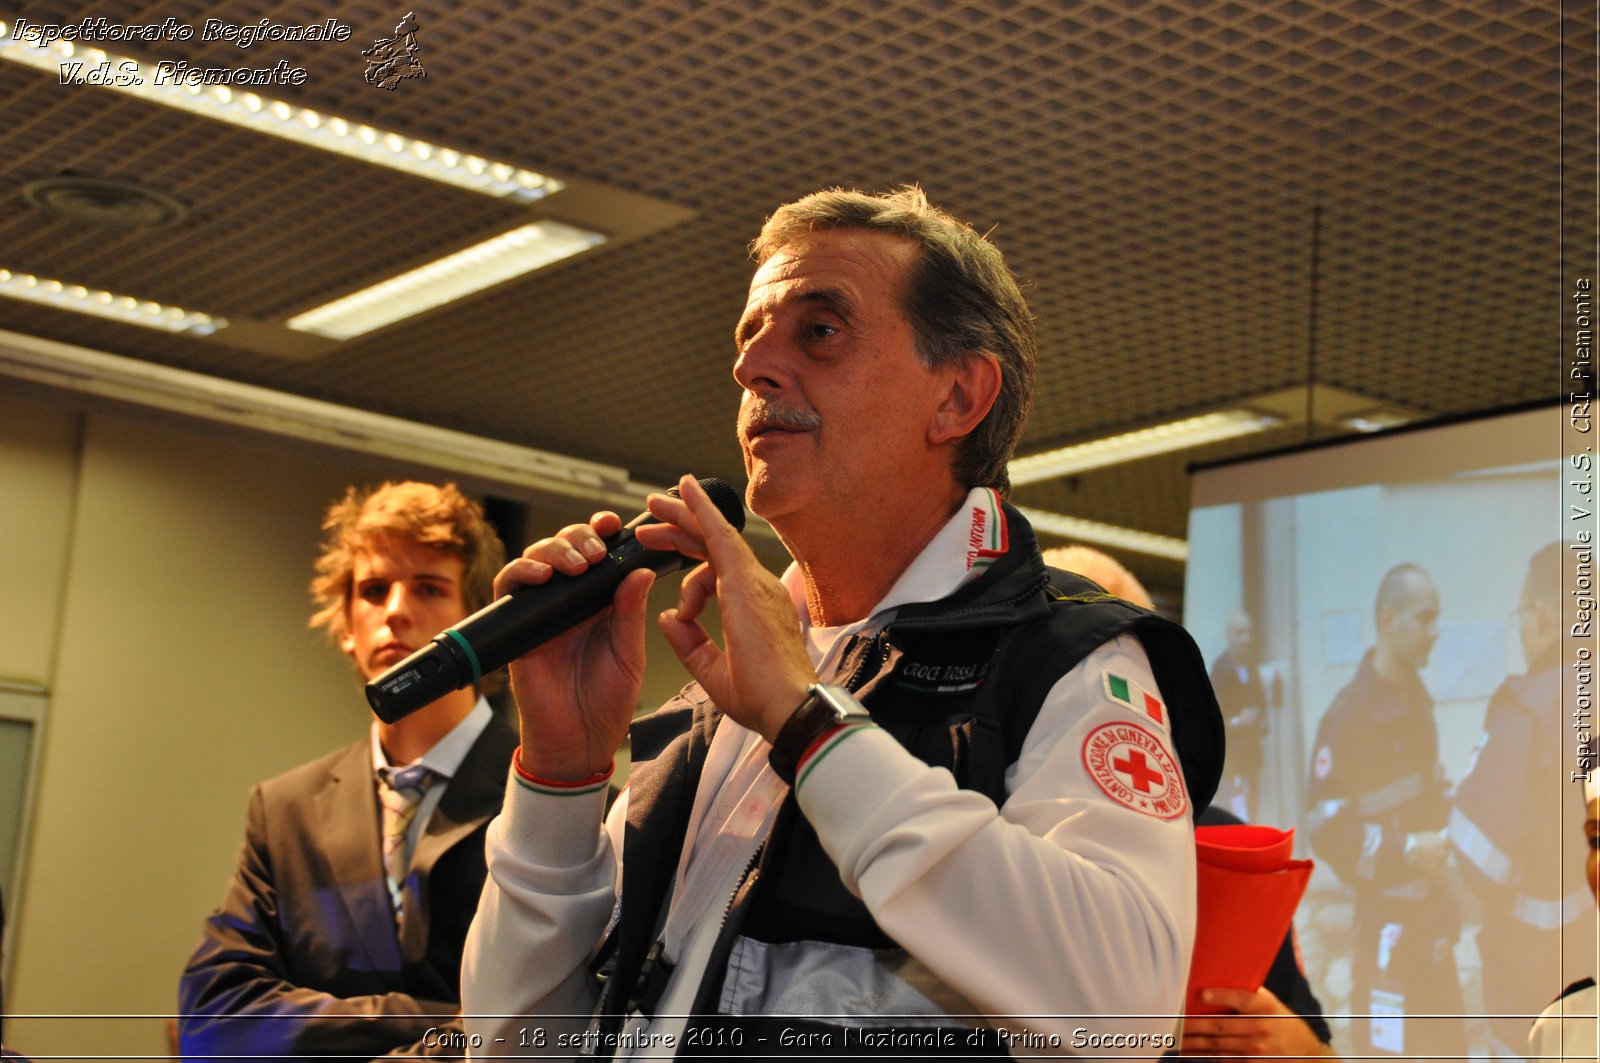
(838, 700)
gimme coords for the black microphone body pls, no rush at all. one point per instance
(529, 616)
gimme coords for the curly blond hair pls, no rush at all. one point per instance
(433, 515)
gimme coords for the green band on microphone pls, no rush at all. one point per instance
(466, 647)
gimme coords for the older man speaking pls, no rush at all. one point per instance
(923, 799)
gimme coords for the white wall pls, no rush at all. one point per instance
(38, 484)
(154, 579)
(183, 672)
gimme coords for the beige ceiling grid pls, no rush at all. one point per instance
(1150, 169)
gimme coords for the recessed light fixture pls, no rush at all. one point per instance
(103, 201)
(1092, 531)
(1377, 420)
(1142, 443)
(125, 308)
(522, 250)
(303, 125)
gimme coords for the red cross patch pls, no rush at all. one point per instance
(1134, 768)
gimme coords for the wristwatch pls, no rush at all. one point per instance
(826, 706)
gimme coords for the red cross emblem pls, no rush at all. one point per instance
(1138, 769)
(1135, 769)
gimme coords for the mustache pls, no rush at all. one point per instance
(758, 415)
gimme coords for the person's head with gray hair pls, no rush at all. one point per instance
(959, 296)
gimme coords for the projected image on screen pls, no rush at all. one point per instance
(1384, 624)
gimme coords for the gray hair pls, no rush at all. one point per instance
(960, 299)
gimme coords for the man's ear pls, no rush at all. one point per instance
(1380, 622)
(973, 384)
(1549, 623)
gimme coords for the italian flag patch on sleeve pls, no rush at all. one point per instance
(1126, 692)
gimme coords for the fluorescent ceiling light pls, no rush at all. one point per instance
(1090, 531)
(160, 83)
(1143, 443)
(1332, 407)
(522, 250)
(125, 308)
(1377, 420)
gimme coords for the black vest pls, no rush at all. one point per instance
(958, 682)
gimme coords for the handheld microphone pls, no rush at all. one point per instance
(530, 615)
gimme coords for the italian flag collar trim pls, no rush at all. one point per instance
(988, 537)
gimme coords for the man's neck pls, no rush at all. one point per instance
(1390, 669)
(1545, 657)
(411, 736)
(849, 566)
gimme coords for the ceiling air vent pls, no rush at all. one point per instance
(98, 201)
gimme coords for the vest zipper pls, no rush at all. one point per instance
(746, 883)
(880, 644)
(880, 641)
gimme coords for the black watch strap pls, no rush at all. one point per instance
(825, 707)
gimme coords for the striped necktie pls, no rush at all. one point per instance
(400, 790)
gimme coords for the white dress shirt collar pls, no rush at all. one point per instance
(445, 758)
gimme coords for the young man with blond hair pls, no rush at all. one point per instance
(342, 928)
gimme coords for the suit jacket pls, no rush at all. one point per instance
(303, 959)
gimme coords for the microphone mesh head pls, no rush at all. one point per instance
(724, 497)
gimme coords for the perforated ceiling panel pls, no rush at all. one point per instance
(1152, 170)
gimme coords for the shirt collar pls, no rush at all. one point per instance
(972, 539)
(445, 758)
